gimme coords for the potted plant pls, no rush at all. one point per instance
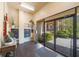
(9, 39)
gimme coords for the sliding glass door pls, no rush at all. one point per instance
(39, 32)
(77, 39)
(64, 36)
(49, 34)
(61, 32)
(77, 36)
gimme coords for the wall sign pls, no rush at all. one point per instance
(27, 32)
(16, 33)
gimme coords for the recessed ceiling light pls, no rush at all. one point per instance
(27, 6)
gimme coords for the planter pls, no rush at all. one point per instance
(13, 42)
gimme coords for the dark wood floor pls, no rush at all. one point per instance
(30, 49)
(25, 50)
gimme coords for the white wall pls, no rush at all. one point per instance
(24, 19)
(13, 13)
(1, 21)
(21, 19)
(53, 8)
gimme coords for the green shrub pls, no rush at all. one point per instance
(48, 37)
(64, 33)
(77, 35)
(40, 40)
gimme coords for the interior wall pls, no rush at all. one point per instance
(24, 19)
(21, 19)
(1, 21)
(13, 15)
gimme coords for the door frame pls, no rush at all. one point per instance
(74, 31)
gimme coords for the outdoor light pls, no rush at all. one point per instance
(27, 6)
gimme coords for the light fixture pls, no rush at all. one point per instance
(27, 6)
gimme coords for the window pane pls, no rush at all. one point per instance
(78, 32)
(39, 32)
(64, 35)
(49, 34)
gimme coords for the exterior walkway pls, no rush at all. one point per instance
(30, 49)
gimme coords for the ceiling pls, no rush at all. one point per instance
(36, 5)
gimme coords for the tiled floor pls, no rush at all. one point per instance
(30, 49)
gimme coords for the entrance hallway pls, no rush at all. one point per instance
(31, 49)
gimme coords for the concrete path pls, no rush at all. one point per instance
(64, 46)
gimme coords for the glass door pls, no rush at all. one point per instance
(77, 32)
(49, 34)
(39, 32)
(64, 36)
(77, 36)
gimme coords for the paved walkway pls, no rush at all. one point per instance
(64, 42)
(64, 46)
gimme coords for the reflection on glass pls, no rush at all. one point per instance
(40, 31)
(49, 35)
(64, 35)
(77, 36)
